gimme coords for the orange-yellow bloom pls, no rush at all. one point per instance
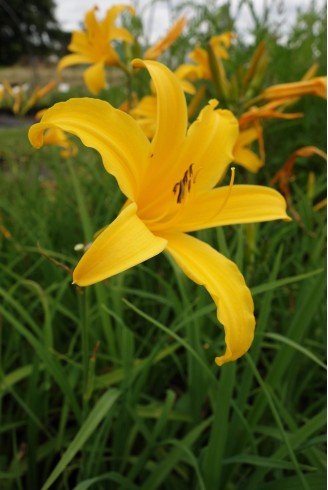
(165, 42)
(145, 114)
(268, 111)
(201, 58)
(57, 137)
(169, 184)
(93, 47)
(251, 131)
(220, 42)
(314, 86)
(284, 175)
(243, 154)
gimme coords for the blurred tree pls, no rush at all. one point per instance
(28, 28)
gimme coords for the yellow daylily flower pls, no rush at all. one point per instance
(220, 42)
(271, 110)
(251, 130)
(201, 58)
(22, 98)
(170, 184)
(145, 113)
(243, 155)
(314, 86)
(57, 137)
(285, 174)
(93, 47)
(165, 42)
(2, 92)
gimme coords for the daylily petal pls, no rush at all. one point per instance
(146, 107)
(121, 34)
(79, 42)
(171, 112)
(315, 86)
(222, 279)
(222, 39)
(187, 71)
(200, 56)
(112, 14)
(145, 114)
(267, 112)
(73, 59)
(90, 21)
(55, 136)
(247, 158)
(115, 135)
(94, 78)
(232, 205)
(123, 244)
(209, 145)
(187, 87)
(247, 136)
(155, 51)
(167, 142)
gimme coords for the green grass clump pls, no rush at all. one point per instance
(114, 386)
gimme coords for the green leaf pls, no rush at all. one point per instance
(98, 413)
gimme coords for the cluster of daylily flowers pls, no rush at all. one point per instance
(168, 167)
(20, 98)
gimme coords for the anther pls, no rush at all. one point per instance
(184, 183)
(181, 192)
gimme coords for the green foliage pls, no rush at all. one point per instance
(153, 337)
(114, 386)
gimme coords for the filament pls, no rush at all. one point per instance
(226, 199)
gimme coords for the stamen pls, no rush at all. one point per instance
(226, 199)
(175, 188)
(181, 192)
(232, 179)
(184, 183)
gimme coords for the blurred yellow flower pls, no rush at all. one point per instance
(20, 97)
(243, 154)
(200, 56)
(145, 113)
(271, 110)
(155, 51)
(279, 97)
(220, 42)
(251, 131)
(285, 174)
(314, 86)
(93, 47)
(170, 188)
(57, 137)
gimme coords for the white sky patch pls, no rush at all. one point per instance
(157, 17)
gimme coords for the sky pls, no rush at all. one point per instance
(70, 13)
